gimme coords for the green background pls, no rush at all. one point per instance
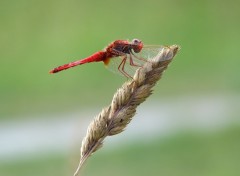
(36, 36)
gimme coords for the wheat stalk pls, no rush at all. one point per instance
(114, 118)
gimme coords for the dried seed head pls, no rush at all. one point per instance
(114, 119)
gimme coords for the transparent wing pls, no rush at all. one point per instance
(127, 65)
(121, 66)
(150, 51)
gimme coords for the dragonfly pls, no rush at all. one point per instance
(125, 55)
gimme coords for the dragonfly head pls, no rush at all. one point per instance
(137, 45)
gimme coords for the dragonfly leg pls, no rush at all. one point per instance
(132, 63)
(121, 67)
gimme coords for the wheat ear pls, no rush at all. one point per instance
(114, 118)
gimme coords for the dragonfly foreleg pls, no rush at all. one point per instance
(122, 66)
(132, 63)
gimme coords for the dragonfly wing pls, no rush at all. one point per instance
(149, 51)
(127, 64)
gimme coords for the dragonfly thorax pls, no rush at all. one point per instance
(122, 47)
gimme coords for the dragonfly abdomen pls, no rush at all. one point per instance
(96, 57)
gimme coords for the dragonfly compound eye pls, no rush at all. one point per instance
(137, 45)
(136, 41)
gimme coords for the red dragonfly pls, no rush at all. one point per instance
(121, 49)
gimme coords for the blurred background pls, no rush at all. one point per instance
(189, 126)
